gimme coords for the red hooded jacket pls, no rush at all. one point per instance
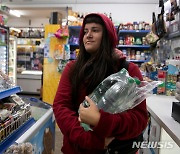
(123, 126)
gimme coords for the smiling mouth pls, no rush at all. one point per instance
(89, 42)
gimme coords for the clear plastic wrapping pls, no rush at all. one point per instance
(120, 92)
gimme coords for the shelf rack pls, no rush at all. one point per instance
(9, 92)
(135, 46)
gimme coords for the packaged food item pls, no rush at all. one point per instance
(161, 89)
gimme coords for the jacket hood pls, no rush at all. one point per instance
(109, 25)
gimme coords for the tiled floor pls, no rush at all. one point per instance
(58, 141)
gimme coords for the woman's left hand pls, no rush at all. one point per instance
(89, 115)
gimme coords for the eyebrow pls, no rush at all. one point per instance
(92, 28)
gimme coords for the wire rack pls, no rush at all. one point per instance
(13, 124)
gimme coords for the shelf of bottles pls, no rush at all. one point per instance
(132, 41)
(4, 48)
(135, 46)
(29, 54)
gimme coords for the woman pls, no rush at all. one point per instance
(97, 59)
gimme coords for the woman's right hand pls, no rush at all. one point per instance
(108, 140)
(89, 115)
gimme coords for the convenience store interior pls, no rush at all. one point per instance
(33, 56)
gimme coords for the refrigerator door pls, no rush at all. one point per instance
(12, 58)
(4, 48)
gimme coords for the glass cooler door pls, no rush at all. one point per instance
(4, 39)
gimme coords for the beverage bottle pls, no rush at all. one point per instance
(118, 94)
(101, 89)
(108, 95)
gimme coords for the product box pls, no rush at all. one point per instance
(154, 77)
(172, 78)
(161, 89)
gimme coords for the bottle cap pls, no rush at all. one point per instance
(123, 71)
(138, 82)
(131, 80)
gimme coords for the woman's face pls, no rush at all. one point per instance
(92, 37)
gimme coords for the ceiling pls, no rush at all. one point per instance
(43, 8)
(25, 2)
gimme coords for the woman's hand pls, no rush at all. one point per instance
(89, 115)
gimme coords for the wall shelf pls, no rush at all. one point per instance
(134, 31)
(74, 27)
(132, 45)
(9, 92)
(139, 61)
(135, 46)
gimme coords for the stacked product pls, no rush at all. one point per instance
(23, 148)
(13, 110)
(13, 113)
(120, 92)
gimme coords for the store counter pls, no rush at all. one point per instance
(160, 107)
(163, 127)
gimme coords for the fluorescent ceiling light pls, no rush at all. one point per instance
(15, 13)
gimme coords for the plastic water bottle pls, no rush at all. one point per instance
(118, 94)
(101, 89)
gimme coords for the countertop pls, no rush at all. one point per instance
(160, 107)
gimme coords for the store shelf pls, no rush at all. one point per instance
(74, 27)
(24, 52)
(134, 31)
(9, 92)
(23, 61)
(29, 37)
(29, 56)
(16, 134)
(134, 46)
(4, 45)
(139, 61)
